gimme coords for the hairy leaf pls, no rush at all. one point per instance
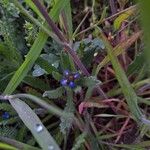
(54, 94)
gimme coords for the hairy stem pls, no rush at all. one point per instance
(66, 45)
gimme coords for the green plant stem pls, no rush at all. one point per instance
(78, 27)
(68, 48)
(49, 20)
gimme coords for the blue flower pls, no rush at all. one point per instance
(64, 82)
(5, 115)
(66, 72)
(69, 78)
(71, 84)
(76, 75)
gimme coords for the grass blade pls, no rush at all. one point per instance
(31, 4)
(27, 64)
(67, 20)
(17, 144)
(145, 7)
(7, 147)
(34, 124)
(33, 53)
(28, 116)
(126, 87)
(119, 49)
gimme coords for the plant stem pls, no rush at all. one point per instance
(66, 45)
(112, 5)
(105, 19)
(49, 20)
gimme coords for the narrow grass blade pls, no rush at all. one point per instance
(67, 20)
(28, 116)
(7, 147)
(27, 64)
(17, 144)
(31, 4)
(145, 19)
(33, 53)
(126, 87)
(119, 49)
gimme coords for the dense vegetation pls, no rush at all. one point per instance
(74, 75)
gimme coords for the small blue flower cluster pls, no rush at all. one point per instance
(5, 115)
(69, 78)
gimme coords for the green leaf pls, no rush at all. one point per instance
(34, 8)
(7, 107)
(34, 124)
(138, 146)
(36, 83)
(17, 144)
(121, 18)
(137, 64)
(34, 51)
(145, 20)
(38, 71)
(87, 48)
(45, 65)
(91, 81)
(56, 75)
(27, 64)
(66, 122)
(51, 108)
(7, 147)
(67, 20)
(51, 59)
(65, 63)
(8, 131)
(54, 94)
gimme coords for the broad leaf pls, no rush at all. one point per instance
(34, 124)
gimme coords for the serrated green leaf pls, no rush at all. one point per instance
(54, 94)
